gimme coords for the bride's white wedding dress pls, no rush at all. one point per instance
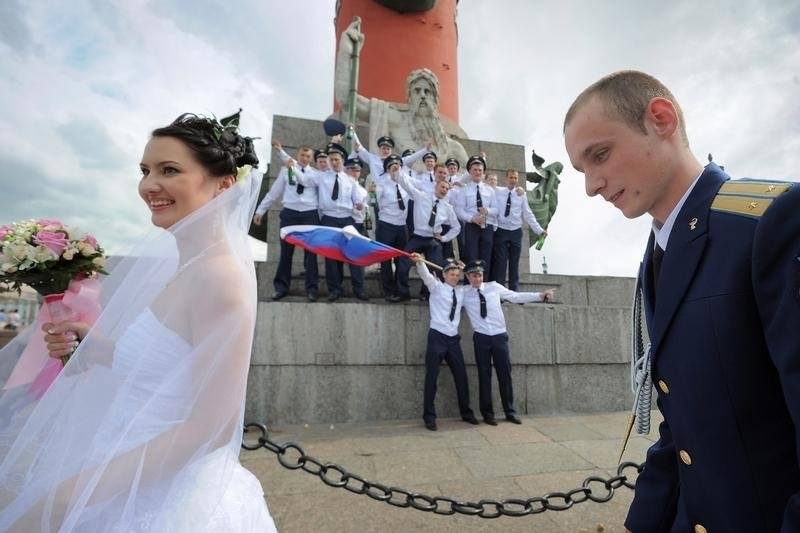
(196, 500)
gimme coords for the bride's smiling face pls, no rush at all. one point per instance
(174, 183)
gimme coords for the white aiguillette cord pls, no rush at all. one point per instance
(641, 380)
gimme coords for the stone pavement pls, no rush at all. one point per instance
(464, 462)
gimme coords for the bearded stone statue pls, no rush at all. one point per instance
(411, 124)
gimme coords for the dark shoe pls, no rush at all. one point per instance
(424, 298)
(361, 296)
(312, 296)
(491, 421)
(332, 297)
(514, 419)
(278, 295)
(397, 299)
(431, 426)
(470, 420)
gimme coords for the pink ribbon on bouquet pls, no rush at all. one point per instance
(35, 366)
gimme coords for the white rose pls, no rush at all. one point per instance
(99, 261)
(42, 254)
(8, 268)
(69, 253)
(86, 249)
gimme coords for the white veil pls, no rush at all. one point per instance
(155, 389)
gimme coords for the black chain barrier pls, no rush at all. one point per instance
(292, 456)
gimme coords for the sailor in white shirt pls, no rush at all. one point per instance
(513, 211)
(338, 195)
(393, 206)
(385, 149)
(474, 205)
(430, 214)
(426, 179)
(299, 207)
(490, 338)
(444, 342)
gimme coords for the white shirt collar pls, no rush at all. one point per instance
(662, 233)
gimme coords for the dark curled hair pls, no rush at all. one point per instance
(220, 149)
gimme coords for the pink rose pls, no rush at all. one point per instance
(49, 222)
(90, 240)
(5, 229)
(54, 240)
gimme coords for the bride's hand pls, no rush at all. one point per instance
(63, 338)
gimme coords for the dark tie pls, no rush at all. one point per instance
(508, 205)
(453, 307)
(400, 203)
(478, 199)
(335, 193)
(483, 303)
(658, 255)
(301, 188)
(430, 175)
(432, 218)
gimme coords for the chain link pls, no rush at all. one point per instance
(292, 456)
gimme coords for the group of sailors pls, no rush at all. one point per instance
(421, 212)
(424, 211)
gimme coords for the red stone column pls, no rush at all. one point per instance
(397, 43)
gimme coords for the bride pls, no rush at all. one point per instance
(142, 428)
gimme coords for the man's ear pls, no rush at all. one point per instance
(662, 116)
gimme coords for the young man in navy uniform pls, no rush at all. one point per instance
(721, 286)
(513, 212)
(444, 342)
(338, 196)
(474, 204)
(299, 207)
(490, 338)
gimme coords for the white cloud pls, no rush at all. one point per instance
(85, 82)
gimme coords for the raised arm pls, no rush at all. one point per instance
(425, 275)
(408, 185)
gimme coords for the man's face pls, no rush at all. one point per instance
(336, 161)
(452, 169)
(385, 151)
(619, 163)
(441, 174)
(353, 172)
(304, 157)
(441, 189)
(491, 180)
(475, 279)
(421, 97)
(430, 162)
(322, 164)
(476, 172)
(512, 178)
(452, 276)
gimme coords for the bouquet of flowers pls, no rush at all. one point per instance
(47, 255)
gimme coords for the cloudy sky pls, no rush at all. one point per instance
(84, 82)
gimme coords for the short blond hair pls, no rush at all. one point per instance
(625, 95)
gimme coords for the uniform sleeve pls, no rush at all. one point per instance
(309, 178)
(518, 297)
(275, 192)
(492, 204)
(407, 184)
(428, 279)
(455, 227)
(283, 156)
(413, 158)
(656, 497)
(460, 206)
(530, 218)
(776, 283)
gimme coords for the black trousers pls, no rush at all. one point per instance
(283, 276)
(431, 248)
(506, 251)
(334, 270)
(447, 348)
(447, 247)
(492, 350)
(410, 216)
(397, 237)
(478, 244)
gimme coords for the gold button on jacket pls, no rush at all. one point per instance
(699, 529)
(662, 385)
(685, 457)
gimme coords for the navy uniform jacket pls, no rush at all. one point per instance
(725, 332)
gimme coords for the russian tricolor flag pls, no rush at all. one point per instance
(342, 244)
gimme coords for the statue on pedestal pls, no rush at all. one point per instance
(411, 124)
(543, 199)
